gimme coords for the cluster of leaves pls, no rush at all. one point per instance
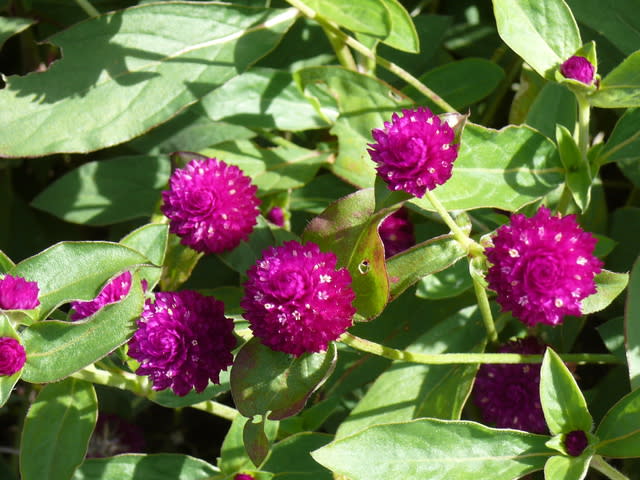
(290, 95)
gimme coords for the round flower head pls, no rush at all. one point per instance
(12, 356)
(18, 294)
(243, 476)
(578, 68)
(508, 395)
(183, 341)
(414, 152)
(276, 216)
(396, 232)
(211, 206)
(575, 442)
(296, 301)
(542, 267)
(113, 292)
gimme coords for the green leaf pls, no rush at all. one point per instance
(233, 456)
(257, 437)
(619, 431)
(262, 98)
(349, 229)
(57, 430)
(504, 169)
(75, 270)
(632, 328)
(621, 87)
(445, 81)
(542, 32)
(431, 448)
(57, 349)
(364, 103)
(150, 240)
(12, 26)
(567, 468)
(146, 467)
(612, 334)
(317, 195)
(7, 382)
(609, 285)
(623, 146)
(6, 263)
(406, 391)
(555, 104)
(263, 380)
(447, 283)
(426, 258)
(366, 16)
(563, 404)
(290, 458)
(271, 169)
(403, 34)
(578, 170)
(125, 72)
(108, 191)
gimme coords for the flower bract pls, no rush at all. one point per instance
(113, 292)
(183, 341)
(211, 206)
(542, 267)
(295, 299)
(508, 395)
(16, 293)
(12, 356)
(414, 152)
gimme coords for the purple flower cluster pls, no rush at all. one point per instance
(296, 301)
(113, 292)
(243, 476)
(276, 216)
(211, 206)
(12, 356)
(18, 294)
(575, 442)
(542, 267)
(414, 152)
(183, 341)
(396, 232)
(508, 395)
(578, 68)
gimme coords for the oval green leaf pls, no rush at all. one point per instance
(263, 380)
(563, 404)
(56, 349)
(57, 430)
(431, 448)
(621, 87)
(542, 32)
(609, 285)
(619, 431)
(75, 270)
(125, 72)
(146, 467)
(365, 16)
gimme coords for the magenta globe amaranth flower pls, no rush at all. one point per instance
(12, 356)
(414, 152)
(183, 341)
(508, 395)
(243, 476)
(542, 267)
(396, 233)
(578, 68)
(116, 290)
(16, 293)
(296, 301)
(575, 442)
(211, 206)
(276, 216)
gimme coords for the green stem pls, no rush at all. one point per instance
(565, 200)
(217, 409)
(359, 47)
(466, 358)
(341, 50)
(584, 110)
(485, 310)
(142, 387)
(463, 239)
(88, 8)
(607, 470)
